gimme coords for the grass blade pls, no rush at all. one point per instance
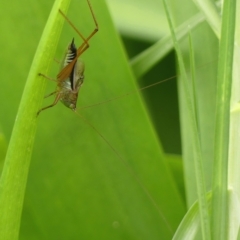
(193, 77)
(147, 59)
(234, 150)
(205, 223)
(220, 177)
(3, 150)
(209, 9)
(190, 227)
(15, 171)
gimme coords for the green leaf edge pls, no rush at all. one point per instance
(189, 228)
(147, 59)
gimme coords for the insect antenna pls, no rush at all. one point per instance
(127, 94)
(129, 169)
(140, 89)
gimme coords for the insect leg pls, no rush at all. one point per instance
(49, 78)
(50, 94)
(72, 25)
(65, 72)
(95, 21)
(57, 61)
(52, 105)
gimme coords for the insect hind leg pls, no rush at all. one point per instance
(86, 40)
(95, 22)
(64, 73)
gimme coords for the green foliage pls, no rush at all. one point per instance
(220, 203)
(102, 173)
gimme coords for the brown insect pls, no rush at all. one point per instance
(71, 77)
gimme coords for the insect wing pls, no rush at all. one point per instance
(78, 75)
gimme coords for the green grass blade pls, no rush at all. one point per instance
(210, 10)
(15, 171)
(147, 59)
(234, 150)
(193, 78)
(205, 51)
(205, 223)
(220, 177)
(3, 150)
(190, 227)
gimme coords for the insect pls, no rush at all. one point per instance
(71, 77)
